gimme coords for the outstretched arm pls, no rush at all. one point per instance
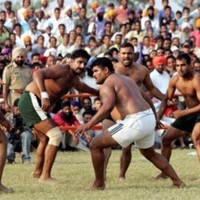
(108, 99)
(154, 91)
(82, 87)
(169, 95)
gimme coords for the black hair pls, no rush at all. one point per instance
(80, 53)
(126, 44)
(88, 112)
(103, 63)
(36, 64)
(65, 104)
(184, 56)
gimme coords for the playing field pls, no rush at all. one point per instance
(75, 172)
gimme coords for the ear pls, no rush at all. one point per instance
(106, 70)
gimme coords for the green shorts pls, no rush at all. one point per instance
(186, 123)
(30, 109)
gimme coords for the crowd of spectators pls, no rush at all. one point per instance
(50, 35)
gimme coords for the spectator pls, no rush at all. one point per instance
(16, 76)
(65, 117)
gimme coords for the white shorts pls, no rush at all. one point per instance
(137, 128)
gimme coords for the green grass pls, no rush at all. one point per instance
(74, 171)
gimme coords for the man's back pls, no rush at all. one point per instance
(125, 94)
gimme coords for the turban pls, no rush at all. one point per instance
(44, 1)
(94, 5)
(197, 23)
(100, 9)
(27, 39)
(159, 60)
(111, 13)
(26, 13)
(6, 51)
(18, 51)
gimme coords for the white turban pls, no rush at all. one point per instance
(18, 51)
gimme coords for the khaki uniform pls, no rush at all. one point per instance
(17, 78)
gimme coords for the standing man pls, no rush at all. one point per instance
(16, 76)
(49, 84)
(3, 152)
(187, 82)
(140, 74)
(139, 112)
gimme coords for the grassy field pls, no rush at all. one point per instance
(75, 172)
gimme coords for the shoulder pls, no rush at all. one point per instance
(9, 66)
(196, 77)
(140, 67)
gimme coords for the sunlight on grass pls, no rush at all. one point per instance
(74, 172)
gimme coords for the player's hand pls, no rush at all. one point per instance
(178, 113)
(159, 125)
(81, 129)
(46, 104)
(75, 139)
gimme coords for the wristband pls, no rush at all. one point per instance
(44, 95)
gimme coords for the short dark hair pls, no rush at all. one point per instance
(80, 53)
(184, 56)
(65, 104)
(103, 63)
(87, 112)
(126, 44)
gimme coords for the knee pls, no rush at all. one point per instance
(166, 141)
(55, 136)
(127, 150)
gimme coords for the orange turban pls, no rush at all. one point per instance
(26, 13)
(94, 5)
(27, 39)
(111, 13)
(159, 60)
(197, 23)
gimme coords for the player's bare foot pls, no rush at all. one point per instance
(4, 189)
(160, 176)
(179, 185)
(48, 180)
(122, 179)
(94, 186)
(36, 175)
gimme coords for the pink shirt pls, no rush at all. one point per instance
(196, 35)
(121, 15)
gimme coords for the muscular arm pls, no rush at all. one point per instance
(108, 98)
(150, 103)
(47, 73)
(82, 87)
(151, 88)
(168, 96)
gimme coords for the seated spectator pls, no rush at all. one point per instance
(19, 138)
(65, 117)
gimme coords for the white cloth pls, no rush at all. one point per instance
(138, 128)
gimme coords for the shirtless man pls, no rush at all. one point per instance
(49, 84)
(135, 115)
(187, 82)
(140, 75)
(3, 152)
